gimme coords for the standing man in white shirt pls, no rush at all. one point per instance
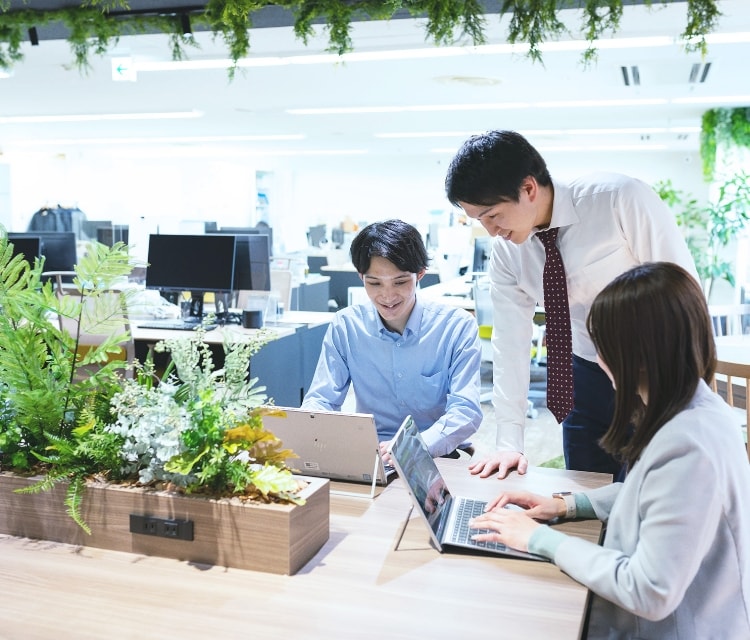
(607, 223)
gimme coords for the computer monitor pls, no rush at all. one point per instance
(337, 237)
(482, 252)
(195, 263)
(252, 262)
(316, 235)
(29, 248)
(108, 235)
(240, 231)
(58, 248)
(89, 228)
(315, 263)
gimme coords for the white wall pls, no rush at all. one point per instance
(168, 188)
(5, 214)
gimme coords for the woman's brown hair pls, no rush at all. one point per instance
(651, 328)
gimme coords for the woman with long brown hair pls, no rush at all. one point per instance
(675, 561)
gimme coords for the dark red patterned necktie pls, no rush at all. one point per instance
(559, 336)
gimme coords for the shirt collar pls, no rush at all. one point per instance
(563, 208)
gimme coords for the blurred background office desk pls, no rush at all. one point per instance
(284, 365)
(356, 586)
(311, 294)
(456, 292)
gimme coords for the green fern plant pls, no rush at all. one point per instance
(43, 400)
(41, 392)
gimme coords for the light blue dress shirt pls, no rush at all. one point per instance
(431, 372)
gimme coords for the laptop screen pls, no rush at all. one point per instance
(418, 469)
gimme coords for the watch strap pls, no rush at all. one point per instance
(570, 503)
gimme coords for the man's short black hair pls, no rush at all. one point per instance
(394, 240)
(489, 168)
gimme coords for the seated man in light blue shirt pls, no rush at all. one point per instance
(402, 354)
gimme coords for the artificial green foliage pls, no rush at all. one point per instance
(42, 395)
(722, 127)
(68, 416)
(201, 429)
(702, 18)
(95, 25)
(42, 390)
(709, 228)
(534, 22)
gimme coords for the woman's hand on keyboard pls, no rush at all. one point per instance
(510, 527)
(535, 506)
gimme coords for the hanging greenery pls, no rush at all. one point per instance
(96, 25)
(722, 127)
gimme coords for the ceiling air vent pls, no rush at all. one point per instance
(631, 76)
(699, 72)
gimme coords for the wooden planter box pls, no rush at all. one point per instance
(275, 538)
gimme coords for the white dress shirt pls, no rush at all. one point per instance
(608, 224)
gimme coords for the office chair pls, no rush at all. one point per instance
(729, 371)
(730, 319)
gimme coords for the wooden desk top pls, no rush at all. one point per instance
(357, 586)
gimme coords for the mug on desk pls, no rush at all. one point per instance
(252, 318)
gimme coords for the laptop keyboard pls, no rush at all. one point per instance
(461, 534)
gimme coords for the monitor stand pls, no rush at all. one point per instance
(222, 302)
(170, 296)
(196, 305)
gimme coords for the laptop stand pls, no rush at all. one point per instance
(403, 529)
(355, 494)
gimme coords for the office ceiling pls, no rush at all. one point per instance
(651, 97)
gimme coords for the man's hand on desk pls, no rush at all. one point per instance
(501, 461)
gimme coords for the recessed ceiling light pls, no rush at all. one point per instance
(152, 140)
(96, 117)
(474, 81)
(480, 106)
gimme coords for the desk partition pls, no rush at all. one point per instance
(285, 365)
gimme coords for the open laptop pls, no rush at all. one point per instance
(331, 444)
(446, 516)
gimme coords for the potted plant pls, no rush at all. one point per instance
(710, 228)
(190, 444)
